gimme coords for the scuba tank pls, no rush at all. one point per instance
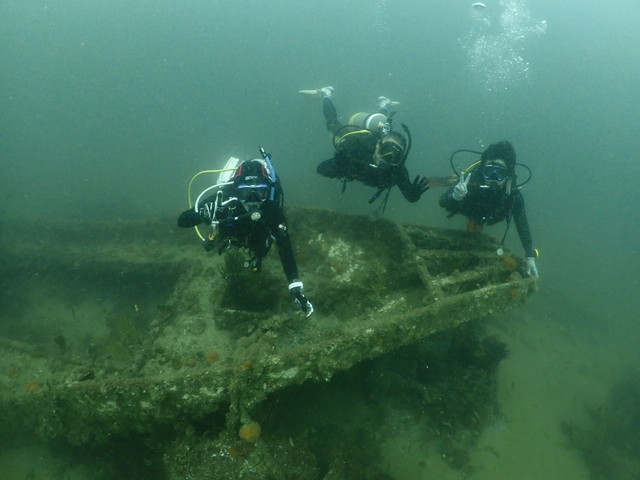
(374, 122)
(224, 176)
(228, 170)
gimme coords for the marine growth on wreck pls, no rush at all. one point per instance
(208, 368)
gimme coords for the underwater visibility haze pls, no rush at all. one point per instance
(107, 109)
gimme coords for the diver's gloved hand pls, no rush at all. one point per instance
(207, 211)
(419, 186)
(460, 190)
(532, 269)
(296, 291)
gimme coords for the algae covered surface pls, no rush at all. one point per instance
(113, 338)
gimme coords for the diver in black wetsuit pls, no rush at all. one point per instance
(368, 150)
(487, 193)
(247, 212)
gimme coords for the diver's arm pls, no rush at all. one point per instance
(191, 218)
(286, 252)
(277, 227)
(296, 288)
(522, 224)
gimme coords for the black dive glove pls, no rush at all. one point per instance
(419, 186)
(295, 289)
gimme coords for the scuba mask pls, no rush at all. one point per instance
(391, 153)
(252, 184)
(252, 196)
(495, 172)
(252, 193)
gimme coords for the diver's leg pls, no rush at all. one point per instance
(330, 115)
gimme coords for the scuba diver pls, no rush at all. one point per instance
(245, 210)
(487, 192)
(368, 150)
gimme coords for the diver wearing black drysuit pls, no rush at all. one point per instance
(374, 155)
(488, 194)
(249, 214)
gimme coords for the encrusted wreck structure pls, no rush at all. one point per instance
(124, 330)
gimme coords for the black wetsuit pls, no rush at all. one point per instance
(237, 228)
(354, 158)
(487, 206)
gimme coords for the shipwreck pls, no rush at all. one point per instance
(114, 330)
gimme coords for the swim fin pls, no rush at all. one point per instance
(324, 91)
